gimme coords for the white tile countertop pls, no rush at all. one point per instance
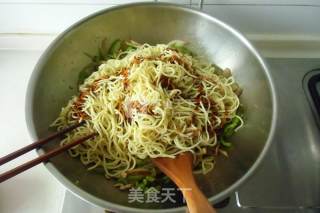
(35, 190)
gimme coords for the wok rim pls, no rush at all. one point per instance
(82, 194)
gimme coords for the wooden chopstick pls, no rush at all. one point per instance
(36, 144)
(13, 172)
(43, 158)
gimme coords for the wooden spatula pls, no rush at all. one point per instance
(179, 170)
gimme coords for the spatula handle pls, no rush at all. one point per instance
(180, 171)
(196, 201)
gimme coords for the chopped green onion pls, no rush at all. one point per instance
(134, 178)
(115, 48)
(150, 178)
(228, 131)
(130, 48)
(241, 111)
(181, 47)
(225, 144)
(230, 127)
(103, 51)
(141, 163)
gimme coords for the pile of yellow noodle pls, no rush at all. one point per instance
(153, 102)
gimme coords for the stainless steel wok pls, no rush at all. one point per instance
(55, 77)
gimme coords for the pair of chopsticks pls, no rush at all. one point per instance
(43, 158)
